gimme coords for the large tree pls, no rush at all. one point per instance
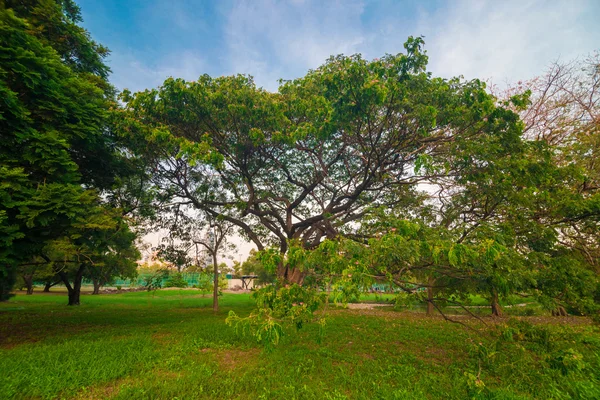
(310, 161)
(55, 153)
(560, 219)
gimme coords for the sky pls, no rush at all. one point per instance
(501, 41)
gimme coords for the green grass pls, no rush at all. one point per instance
(169, 344)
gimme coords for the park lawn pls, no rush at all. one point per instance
(169, 344)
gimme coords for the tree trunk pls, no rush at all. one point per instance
(290, 275)
(28, 279)
(215, 283)
(559, 312)
(48, 285)
(75, 290)
(74, 296)
(496, 308)
(96, 283)
(430, 307)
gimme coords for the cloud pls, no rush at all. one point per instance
(505, 40)
(272, 40)
(269, 39)
(130, 73)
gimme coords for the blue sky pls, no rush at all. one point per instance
(499, 40)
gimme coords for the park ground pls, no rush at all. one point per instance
(170, 345)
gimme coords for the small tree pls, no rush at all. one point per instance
(102, 241)
(214, 240)
(187, 231)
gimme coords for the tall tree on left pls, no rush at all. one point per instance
(56, 155)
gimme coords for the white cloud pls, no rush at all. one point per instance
(272, 40)
(129, 73)
(505, 40)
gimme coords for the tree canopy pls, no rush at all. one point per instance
(309, 161)
(56, 155)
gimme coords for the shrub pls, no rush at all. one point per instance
(154, 281)
(176, 280)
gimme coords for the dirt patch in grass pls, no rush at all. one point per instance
(428, 353)
(437, 355)
(105, 391)
(111, 389)
(231, 359)
(15, 339)
(164, 338)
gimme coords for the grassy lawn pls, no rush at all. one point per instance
(169, 344)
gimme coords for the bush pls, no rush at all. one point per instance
(521, 331)
(205, 283)
(176, 280)
(154, 281)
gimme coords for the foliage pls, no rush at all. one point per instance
(290, 305)
(154, 281)
(307, 162)
(206, 282)
(176, 255)
(56, 153)
(558, 217)
(176, 280)
(253, 266)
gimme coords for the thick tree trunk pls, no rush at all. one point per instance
(28, 279)
(285, 274)
(430, 307)
(96, 283)
(74, 297)
(48, 285)
(215, 284)
(495, 303)
(74, 291)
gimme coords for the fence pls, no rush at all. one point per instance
(192, 278)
